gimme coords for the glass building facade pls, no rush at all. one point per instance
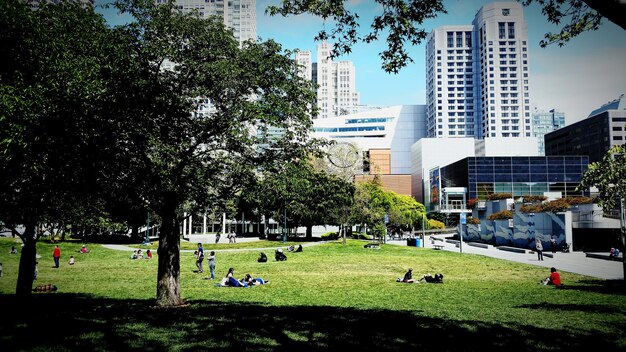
(519, 175)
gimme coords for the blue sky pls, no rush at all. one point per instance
(588, 72)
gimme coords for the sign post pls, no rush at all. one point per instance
(463, 222)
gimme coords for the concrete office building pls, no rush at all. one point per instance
(239, 15)
(545, 122)
(593, 136)
(384, 137)
(336, 82)
(477, 76)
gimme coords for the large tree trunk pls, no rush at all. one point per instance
(27, 263)
(168, 277)
(134, 234)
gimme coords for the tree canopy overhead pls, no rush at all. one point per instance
(403, 21)
(199, 108)
(53, 82)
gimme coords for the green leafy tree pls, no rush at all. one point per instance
(194, 100)
(403, 21)
(51, 83)
(578, 16)
(609, 177)
(405, 212)
(371, 203)
(311, 196)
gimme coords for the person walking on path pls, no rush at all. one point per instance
(553, 244)
(56, 254)
(539, 248)
(217, 237)
(200, 257)
(211, 260)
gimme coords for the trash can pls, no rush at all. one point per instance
(418, 243)
(411, 242)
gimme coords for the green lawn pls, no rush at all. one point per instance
(329, 297)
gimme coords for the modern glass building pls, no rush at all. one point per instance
(544, 123)
(518, 175)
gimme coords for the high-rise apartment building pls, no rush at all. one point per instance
(546, 122)
(239, 15)
(336, 81)
(477, 76)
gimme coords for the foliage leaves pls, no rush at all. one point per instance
(608, 176)
(403, 21)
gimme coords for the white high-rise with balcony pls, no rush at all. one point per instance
(477, 76)
(336, 81)
(239, 15)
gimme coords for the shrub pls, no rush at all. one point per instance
(578, 200)
(534, 199)
(556, 206)
(472, 202)
(532, 208)
(497, 196)
(330, 236)
(434, 224)
(472, 220)
(501, 215)
(361, 236)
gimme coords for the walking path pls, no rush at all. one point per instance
(574, 262)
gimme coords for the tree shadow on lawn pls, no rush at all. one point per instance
(72, 322)
(611, 287)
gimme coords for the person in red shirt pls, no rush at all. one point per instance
(56, 254)
(555, 277)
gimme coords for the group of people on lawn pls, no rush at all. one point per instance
(554, 278)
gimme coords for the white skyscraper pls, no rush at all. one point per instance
(304, 60)
(477, 76)
(336, 91)
(239, 15)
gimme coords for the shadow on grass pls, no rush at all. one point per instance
(612, 287)
(72, 322)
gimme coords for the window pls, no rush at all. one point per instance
(511, 30)
(501, 30)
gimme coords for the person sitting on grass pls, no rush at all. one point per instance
(71, 261)
(84, 249)
(13, 250)
(148, 254)
(262, 258)
(408, 277)
(554, 278)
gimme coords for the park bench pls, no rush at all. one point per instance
(438, 246)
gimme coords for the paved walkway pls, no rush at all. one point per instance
(574, 262)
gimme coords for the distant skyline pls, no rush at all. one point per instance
(581, 76)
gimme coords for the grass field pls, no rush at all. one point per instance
(329, 297)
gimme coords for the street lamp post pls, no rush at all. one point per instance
(622, 215)
(285, 227)
(423, 229)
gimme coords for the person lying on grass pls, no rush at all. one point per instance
(437, 279)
